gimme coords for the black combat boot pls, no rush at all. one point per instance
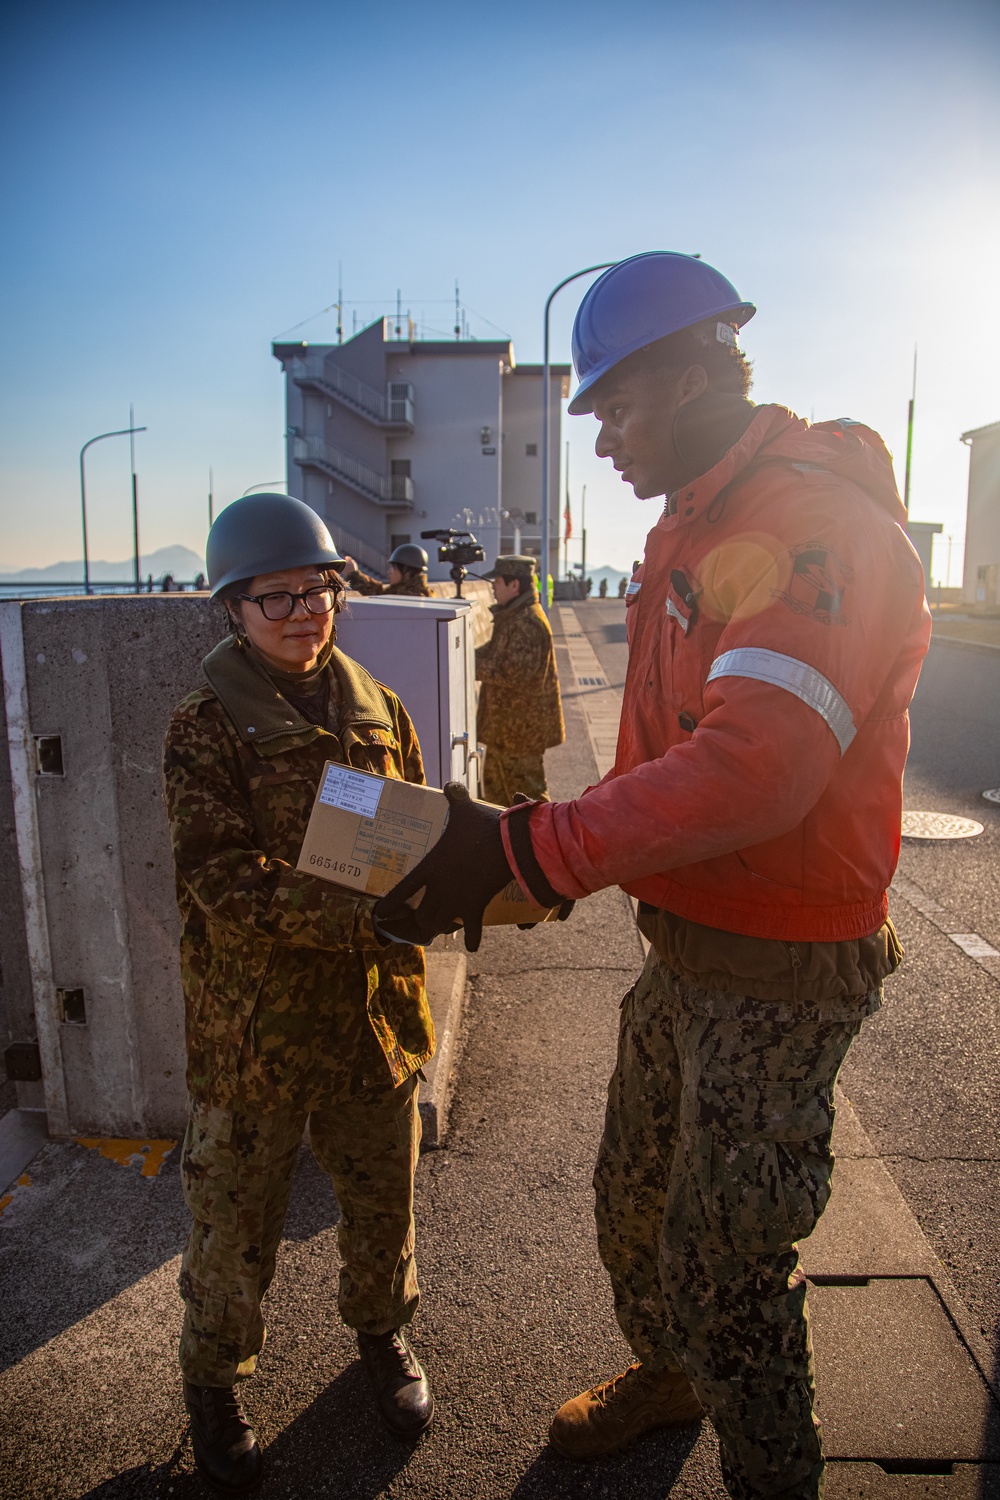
(404, 1396)
(225, 1445)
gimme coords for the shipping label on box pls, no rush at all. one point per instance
(366, 832)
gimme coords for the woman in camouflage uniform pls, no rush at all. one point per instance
(297, 1010)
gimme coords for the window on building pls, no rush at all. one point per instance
(400, 468)
(531, 450)
(531, 518)
(399, 539)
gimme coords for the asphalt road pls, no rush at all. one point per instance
(924, 1075)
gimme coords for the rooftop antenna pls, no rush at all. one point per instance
(340, 302)
(458, 314)
(909, 436)
(135, 496)
(399, 312)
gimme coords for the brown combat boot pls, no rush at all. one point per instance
(613, 1415)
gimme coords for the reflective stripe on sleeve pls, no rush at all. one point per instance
(796, 677)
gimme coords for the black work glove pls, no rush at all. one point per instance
(460, 876)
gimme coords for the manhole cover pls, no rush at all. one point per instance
(993, 795)
(933, 825)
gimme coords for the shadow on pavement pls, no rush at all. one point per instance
(646, 1472)
(87, 1229)
(337, 1446)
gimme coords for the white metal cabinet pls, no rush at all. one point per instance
(423, 649)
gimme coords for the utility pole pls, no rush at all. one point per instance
(909, 436)
(567, 522)
(135, 497)
(583, 538)
(211, 503)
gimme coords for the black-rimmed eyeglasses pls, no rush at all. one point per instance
(318, 601)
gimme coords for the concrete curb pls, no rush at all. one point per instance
(23, 1133)
(954, 640)
(446, 990)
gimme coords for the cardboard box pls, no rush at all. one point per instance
(366, 832)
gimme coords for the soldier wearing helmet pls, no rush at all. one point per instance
(776, 627)
(520, 713)
(407, 574)
(297, 1010)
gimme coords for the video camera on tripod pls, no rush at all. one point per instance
(457, 548)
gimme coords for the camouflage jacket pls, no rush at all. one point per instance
(289, 994)
(519, 706)
(362, 583)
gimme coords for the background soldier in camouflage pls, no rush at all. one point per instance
(407, 574)
(296, 1008)
(520, 714)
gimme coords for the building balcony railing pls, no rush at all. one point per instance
(391, 411)
(369, 558)
(383, 489)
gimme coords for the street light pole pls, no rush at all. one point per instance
(135, 498)
(604, 266)
(118, 432)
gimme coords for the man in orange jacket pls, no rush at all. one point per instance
(776, 628)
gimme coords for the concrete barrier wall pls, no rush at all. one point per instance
(86, 873)
(102, 674)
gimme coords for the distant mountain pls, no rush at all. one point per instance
(611, 574)
(179, 561)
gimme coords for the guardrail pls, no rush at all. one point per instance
(18, 588)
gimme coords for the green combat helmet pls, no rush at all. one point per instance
(409, 555)
(266, 534)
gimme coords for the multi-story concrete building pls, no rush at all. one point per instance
(389, 436)
(981, 578)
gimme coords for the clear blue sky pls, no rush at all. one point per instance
(181, 181)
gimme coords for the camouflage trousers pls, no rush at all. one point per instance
(504, 775)
(236, 1172)
(715, 1160)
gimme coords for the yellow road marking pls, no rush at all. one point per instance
(152, 1154)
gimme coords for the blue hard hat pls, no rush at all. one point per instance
(640, 300)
